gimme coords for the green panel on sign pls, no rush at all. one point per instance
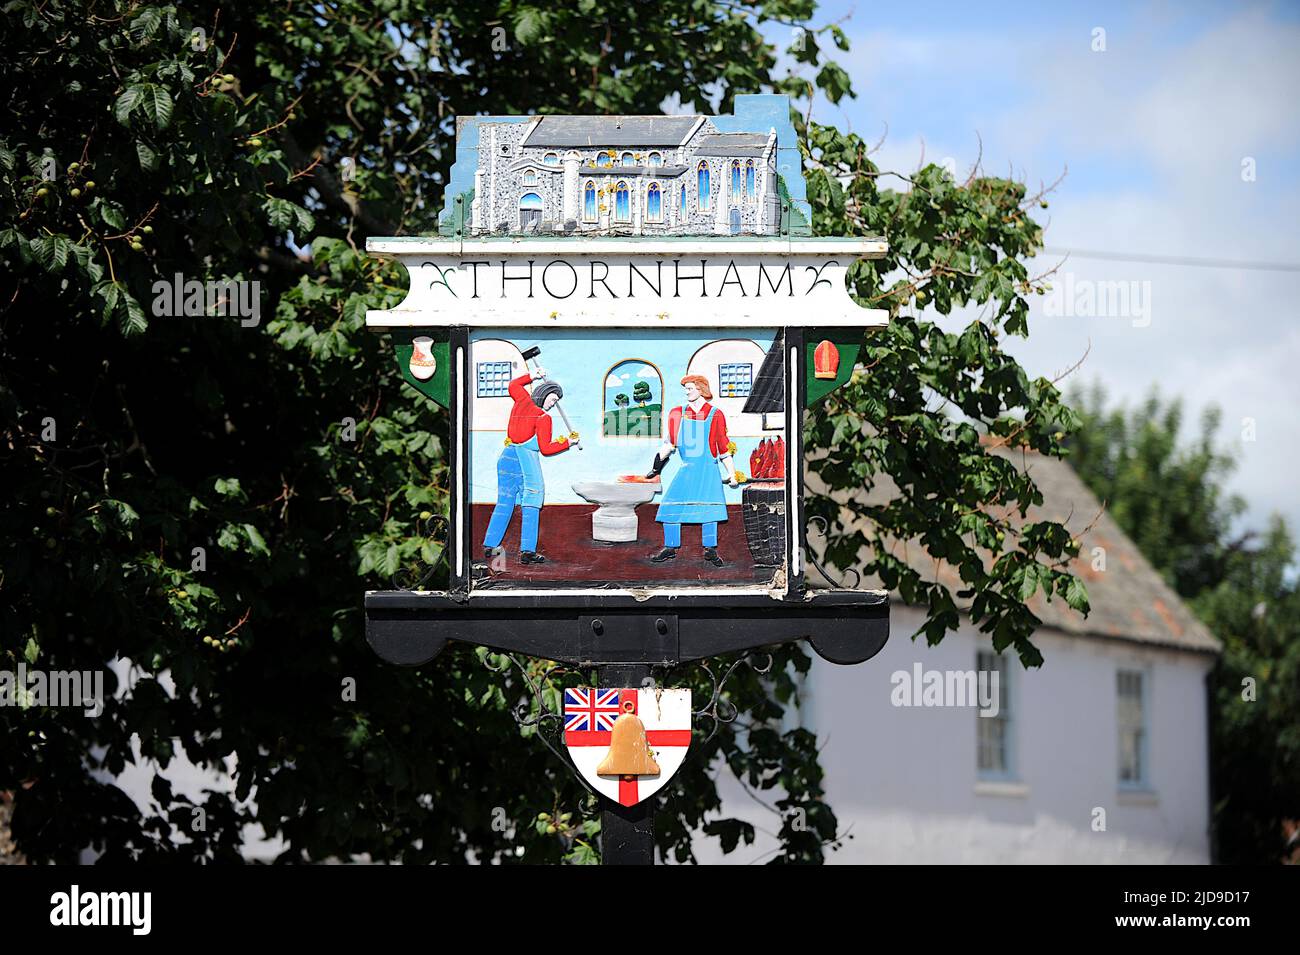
(847, 342)
(438, 385)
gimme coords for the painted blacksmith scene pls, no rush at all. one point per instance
(646, 457)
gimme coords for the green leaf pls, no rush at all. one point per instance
(257, 543)
(157, 105)
(32, 650)
(52, 251)
(127, 102)
(147, 156)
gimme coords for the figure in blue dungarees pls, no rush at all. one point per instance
(698, 432)
(519, 469)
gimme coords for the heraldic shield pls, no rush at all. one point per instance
(627, 743)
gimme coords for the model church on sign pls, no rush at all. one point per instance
(632, 175)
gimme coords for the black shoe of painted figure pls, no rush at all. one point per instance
(711, 555)
(668, 553)
(491, 552)
(531, 557)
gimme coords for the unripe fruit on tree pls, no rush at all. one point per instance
(147, 230)
(90, 184)
(425, 515)
(254, 141)
(42, 192)
(288, 26)
(229, 77)
(76, 193)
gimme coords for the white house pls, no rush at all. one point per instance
(1099, 756)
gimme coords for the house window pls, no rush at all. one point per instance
(735, 379)
(551, 159)
(654, 203)
(681, 210)
(1131, 697)
(702, 185)
(994, 732)
(530, 177)
(494, 378)
(629, 159)
(530, 210)
(749, 179)
(605, 159)
(656, 159)
(735, 180)
(589, 201)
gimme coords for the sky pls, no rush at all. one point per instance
(1179, 136)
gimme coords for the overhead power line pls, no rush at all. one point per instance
(1176, 260)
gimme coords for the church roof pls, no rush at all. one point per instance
(629, 131)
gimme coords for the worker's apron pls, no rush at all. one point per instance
(695, 495)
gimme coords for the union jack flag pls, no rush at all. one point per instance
(587, 709)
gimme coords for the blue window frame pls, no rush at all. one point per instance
(530, 209)
(494, 378)
(622, 203)
(735, 179)
(702, 185)
(749, 179)
(735, 379)
(654, 203)
(589, 201)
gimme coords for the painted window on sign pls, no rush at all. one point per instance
(702, 185)
(634, 393)
(654, 203)
(551, 159)
(655, 159)
(1130, 686)
(494, 378)
(589, 202)
(629, 159)
(993, 733)
(530, 210)
(622, 203)
(682, 207)
(735, 379)
(530, 178)
(749, 179)
(735, 179)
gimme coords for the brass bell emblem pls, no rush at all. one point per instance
(629, 750)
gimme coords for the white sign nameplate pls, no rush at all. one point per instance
(627, 283)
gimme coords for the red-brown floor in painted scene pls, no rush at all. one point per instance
(572, 556)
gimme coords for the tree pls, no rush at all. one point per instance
(1168, 495)
(641, 392)
(205, 501)
(621, 400)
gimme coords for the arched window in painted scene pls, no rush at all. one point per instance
(629, 159)
(733, 220)
(589, 201)
(605, 159)
(622, 203)
(530, 177)
(655, 159)
(551, 159)
(634, 400)
(735, 180)
(749, 179)
(681, 210)
(530, 210)
(654, 203)
(702, 185)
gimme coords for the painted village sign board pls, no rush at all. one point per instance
(625, 318)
